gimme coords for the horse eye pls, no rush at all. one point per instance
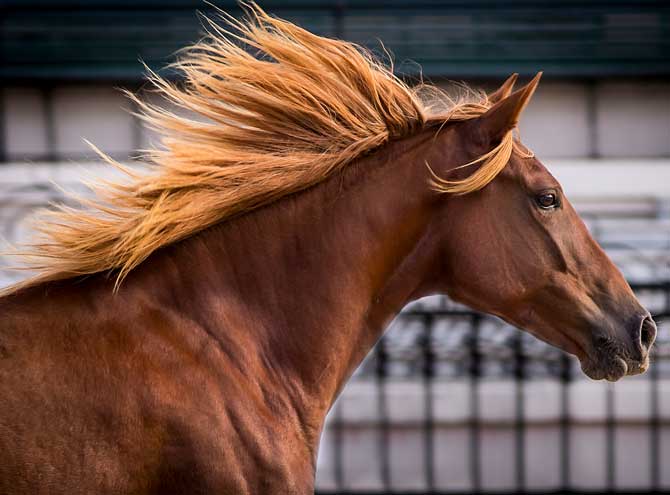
(547, 200)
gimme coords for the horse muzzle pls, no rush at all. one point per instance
(612, 358)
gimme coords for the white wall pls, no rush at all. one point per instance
(605, 119)
(555, 124)
(564, 120)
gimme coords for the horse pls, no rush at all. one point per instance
(188, 329)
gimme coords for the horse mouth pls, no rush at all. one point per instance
(613, 368)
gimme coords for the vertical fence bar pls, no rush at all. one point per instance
(519, 426)
(382, 414)
(338, 440)
(429, 424)
(137, 128)
(654, 429)
(475, 433)
(610, 440)
(565, 445)
(49, 124)
(592, 119)
(3, 125)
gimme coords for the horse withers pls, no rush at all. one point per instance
(189, 331)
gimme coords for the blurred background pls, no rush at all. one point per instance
(450, 401)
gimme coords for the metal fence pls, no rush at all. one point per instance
(436, 345)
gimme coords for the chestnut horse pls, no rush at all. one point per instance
(189, 330)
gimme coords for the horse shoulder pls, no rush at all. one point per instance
(143, 395)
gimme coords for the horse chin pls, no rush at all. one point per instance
(613, 368)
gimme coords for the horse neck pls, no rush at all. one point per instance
(313, 279)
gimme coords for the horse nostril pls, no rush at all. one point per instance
(647, 333)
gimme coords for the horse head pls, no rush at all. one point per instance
(518, 249)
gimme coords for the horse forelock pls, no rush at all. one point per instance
(274, 109)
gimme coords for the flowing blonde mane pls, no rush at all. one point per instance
(278, 109)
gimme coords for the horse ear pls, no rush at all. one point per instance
(504, 115)
(505, 90)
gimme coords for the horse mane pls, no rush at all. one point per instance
(274, 110)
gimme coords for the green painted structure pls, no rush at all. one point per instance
(103, 39)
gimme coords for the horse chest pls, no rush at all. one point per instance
(243, 455)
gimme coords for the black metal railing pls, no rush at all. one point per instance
(443, 344)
